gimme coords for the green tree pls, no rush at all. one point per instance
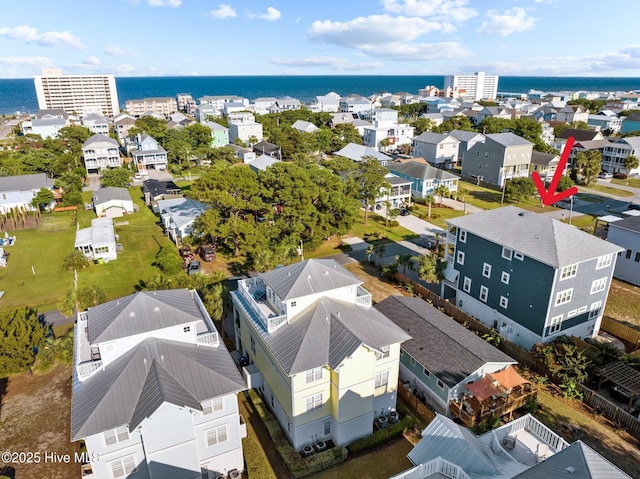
(90, 296)
(119, 177)
(74, 136)
(565, 183)
(430, 268)
(441, 190)
(43, 198)
(405, 262)
(631, 162)
(421, 125)
(343, 134)
(588, 164)
(370, 178)
(21, 334)
(154, 127)
(169, 261)
(518, 189)
(75, 260)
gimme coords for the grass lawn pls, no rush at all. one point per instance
(631, 182)
(608, 190)
(623, 303)
(619, 447)
(438, 215)
(378, 287)
(584, 222)
(488, 199)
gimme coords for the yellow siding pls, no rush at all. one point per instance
(355, 380)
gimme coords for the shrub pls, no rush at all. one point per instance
(75, 260)
(393, 224)
(169, 261)
(531, 405)
(298, 465)
(381, 436)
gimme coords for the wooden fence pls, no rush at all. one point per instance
(525, 358)
(422, 411)
(621, 331)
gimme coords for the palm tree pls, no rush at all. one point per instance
(379, 250)
(370, 252)
(429, 200)
(441, 190)
(405, 261)
(430, 268)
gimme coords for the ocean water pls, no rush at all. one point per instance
(20, 95)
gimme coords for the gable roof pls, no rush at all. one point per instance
(110, 193)
(545, 159)
(436, 339)
(34, 181)
(263, 162)
(265, 147)
(357, 152)
(538, 236)
(155, 371)
(305, 126)
(579, 134)
(308, 277)
(185, 212)
(158, 188)
(432, 138)
(141, 312)
(463, 135)
(328, 332)
(577, 460)
(420, 170)
(632, 223)
(508, 139)
(99, 138)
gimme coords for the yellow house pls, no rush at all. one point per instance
(322, 358)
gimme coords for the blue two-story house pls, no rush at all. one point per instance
(527, 275)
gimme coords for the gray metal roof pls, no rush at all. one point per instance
(420, 170)
(432, 138)
(263, 162)
(132, 387)
(508, 139)
(436, 339)
(462, 135)
(141, 312)
(357, 152)
(538, 236)
(25, 182)
(99, 139)
(328, 332)
(308, 277)
(110, 193)
(579, 461)
(186, 212)
(454, 443)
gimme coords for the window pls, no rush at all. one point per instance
(519, 256)
(486, 270)
(4, 196)
(440, 384)
(383, 354)
(505, 277)
(572, 313)
(327, 427)
(484, 293)
(598, 285)
(628, 254)
(212, 405)
(412, 360)
(186, 329)
(293, 304)
(313, 402)
(216, 435)
(253, 345)
(102, 249)
(382, 379)
(466, 285)
(313, 375)
(114, 436)
(582, 309)
(604, 261)
(596, 308)
(563, 296)
(504, 302)
(460, 258)
(463, 236)
(426, 372)
(637, 258)
(568, 272)
(123, 467)
(556, 323)
(507, 253)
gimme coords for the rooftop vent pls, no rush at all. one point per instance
(308, 276)
(156, 309)
(132, 314)
(521, 213)
(570, 470)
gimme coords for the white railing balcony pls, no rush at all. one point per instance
(363, 297)
(243, 428)
(435, 466)
(262, 312)
(210, 339)
(87, 368)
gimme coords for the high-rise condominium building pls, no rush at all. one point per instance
(77, 93)
(477, 86)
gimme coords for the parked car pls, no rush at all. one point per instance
(620, 176)
(186, 252)
(633, 206)
(605, 175)
(207, 252)
(194, 267)
(405, 212)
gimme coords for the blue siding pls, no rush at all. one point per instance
(430, 381)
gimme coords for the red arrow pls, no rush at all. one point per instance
(550, 196)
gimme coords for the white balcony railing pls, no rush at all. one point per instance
(363, 297)
(87, 368)
(243, 428)
(263, 315)
(210, 339)
(435, 466)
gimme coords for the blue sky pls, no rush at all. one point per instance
(308, 37)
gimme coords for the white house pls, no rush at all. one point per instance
(98, 242)
(324, 360)
(327, 103)
(617, 151)
(626, 233)
(154, 390)
(112, 202)
(242, 125)
(149, 155)
(100, 152)
(397, 192)
(19, 191)
(438, 149)
(121, 125)
(360, 152)
(96, 123)
(45, 127)
(424, 178)
(261, 105)
(178, 216)
(304, 126)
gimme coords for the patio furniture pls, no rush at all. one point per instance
(509, 442)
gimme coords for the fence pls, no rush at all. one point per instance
(621, 331)
(525, 358)
(417, 406)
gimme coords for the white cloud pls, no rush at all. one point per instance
(455, 10)
(373, 30)
(271, 15)
(408, 52)
(627, 58)
(510, 21)
(335, 63)
(28, 61)
(115, 51)
(224, 10)
(164, 3)
(27, 34)
(92, 60)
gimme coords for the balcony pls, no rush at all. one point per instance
(265, 317)
(243, 428)
(363, 297)
(209, 339)
(435, 468)
(86, 358)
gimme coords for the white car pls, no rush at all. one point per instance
(606, 176)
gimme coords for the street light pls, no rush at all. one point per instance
(570, 208)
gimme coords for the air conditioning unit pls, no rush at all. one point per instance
(320, 446)
(235, 474)
(307, 451)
